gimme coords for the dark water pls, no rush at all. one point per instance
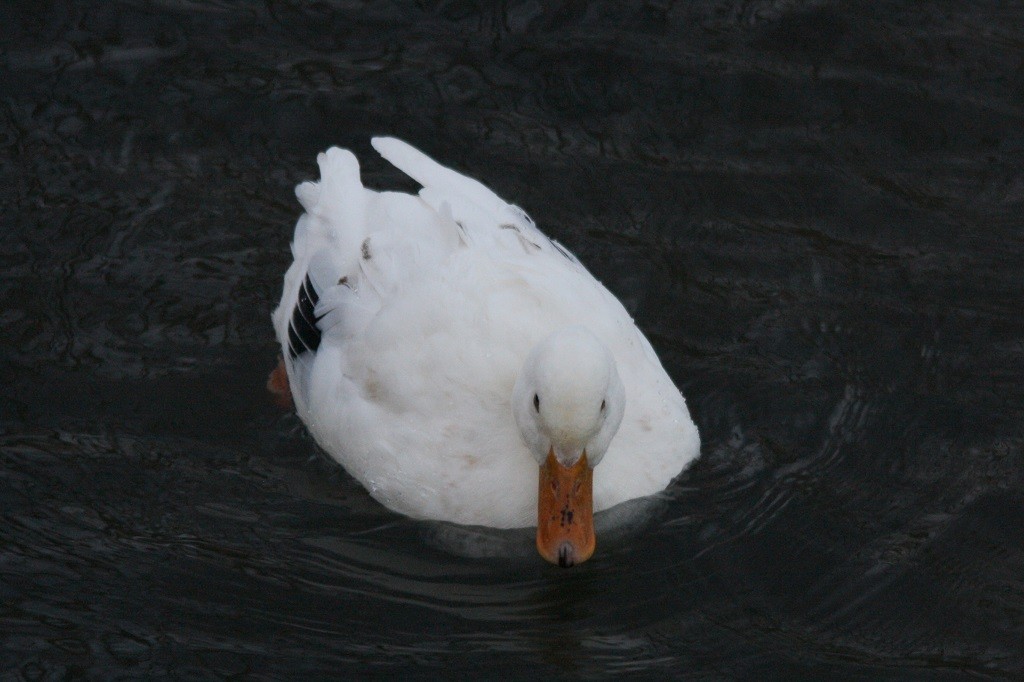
(814, 209)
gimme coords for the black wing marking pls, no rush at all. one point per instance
(303, 334)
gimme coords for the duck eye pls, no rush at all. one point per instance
(536, 402)
(602, 406)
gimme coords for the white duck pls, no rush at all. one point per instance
(450, 356)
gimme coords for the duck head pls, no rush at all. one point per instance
(568, 403)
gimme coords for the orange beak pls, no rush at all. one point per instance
(565, 511)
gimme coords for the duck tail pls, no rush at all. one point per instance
(335, 206)
(325, 247)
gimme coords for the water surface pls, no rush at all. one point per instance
(812, 209)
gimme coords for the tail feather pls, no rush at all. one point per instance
(341, 190)
(308, 194)
(327, 237)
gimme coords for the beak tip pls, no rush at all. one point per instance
(566, 555)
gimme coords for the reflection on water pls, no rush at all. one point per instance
(814, 211)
